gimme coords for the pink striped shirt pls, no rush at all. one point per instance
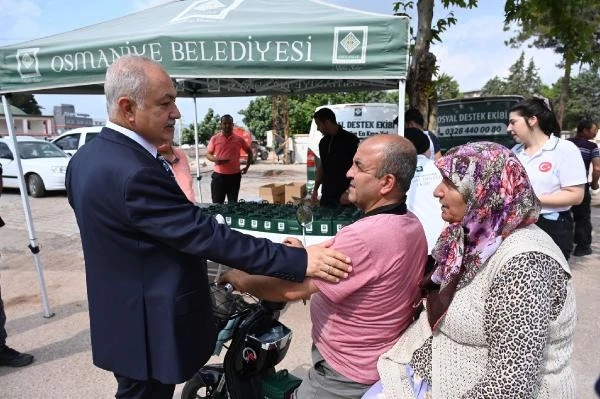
(361, 317)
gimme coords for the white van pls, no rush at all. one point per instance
(364, 120)
(72, 140)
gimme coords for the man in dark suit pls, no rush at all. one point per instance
(145, 244)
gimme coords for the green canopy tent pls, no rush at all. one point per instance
(218, 48)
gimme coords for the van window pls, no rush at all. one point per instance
(5, 151)
(70, 142)
(90, 136)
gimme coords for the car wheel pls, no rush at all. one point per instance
(35, 186)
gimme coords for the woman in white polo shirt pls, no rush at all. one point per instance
(554, 166)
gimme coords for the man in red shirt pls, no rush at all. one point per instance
(224, 150)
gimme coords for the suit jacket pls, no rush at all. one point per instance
(145, 248)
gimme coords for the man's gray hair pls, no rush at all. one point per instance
(126, 78)
(398, 158)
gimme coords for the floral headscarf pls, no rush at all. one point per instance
(499, 199)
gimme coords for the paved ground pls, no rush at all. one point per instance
(61, 344)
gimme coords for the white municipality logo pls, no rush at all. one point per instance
(27, 63)
(350, 45)
(206, 9)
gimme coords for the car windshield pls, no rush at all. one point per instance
(35, 149)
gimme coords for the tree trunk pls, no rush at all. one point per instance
(431, 121)
(564, 92)
(281, 123)
(422, 64)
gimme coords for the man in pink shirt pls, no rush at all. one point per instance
(180, 166)
(358, 319)
(224, 150)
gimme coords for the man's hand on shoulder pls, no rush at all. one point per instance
(326, 263)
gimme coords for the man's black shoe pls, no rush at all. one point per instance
(582, 251)
(12, 358)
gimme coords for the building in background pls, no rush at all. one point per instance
(66, 118)
(39, 126)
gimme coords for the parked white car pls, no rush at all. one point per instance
(44, 165)
(72, 140)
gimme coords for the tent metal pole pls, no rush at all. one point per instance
(198, 177)
(33, 244)
(401, 100)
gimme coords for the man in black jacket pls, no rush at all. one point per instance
(336, 150)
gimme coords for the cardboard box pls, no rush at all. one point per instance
(294, 190)
(273, 193)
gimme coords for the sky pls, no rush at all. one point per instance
(472, 51)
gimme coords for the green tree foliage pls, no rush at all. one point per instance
(534, 83)
(517, 81)
(258, 114)
(209, 125)
(420, 89)
(584, 98)
(521, 80)
(26, 103)
(494, 87)
(446, 87)
(569, 27)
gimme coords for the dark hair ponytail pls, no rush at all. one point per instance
(540, 108)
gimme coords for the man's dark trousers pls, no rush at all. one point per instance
(582, 217)
(2, 322)
(225, 185)
(129, 388)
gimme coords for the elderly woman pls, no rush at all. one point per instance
(500, 306)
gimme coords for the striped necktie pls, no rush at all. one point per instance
(165, 164)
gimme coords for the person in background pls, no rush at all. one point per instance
(420, 199)
(414, 118)
(224, 150)
(8, 356)
(358, 319)
(582, 213)
(336, 149)
(554, 166)
(145, 244)
(179, 164)
(500, 305)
